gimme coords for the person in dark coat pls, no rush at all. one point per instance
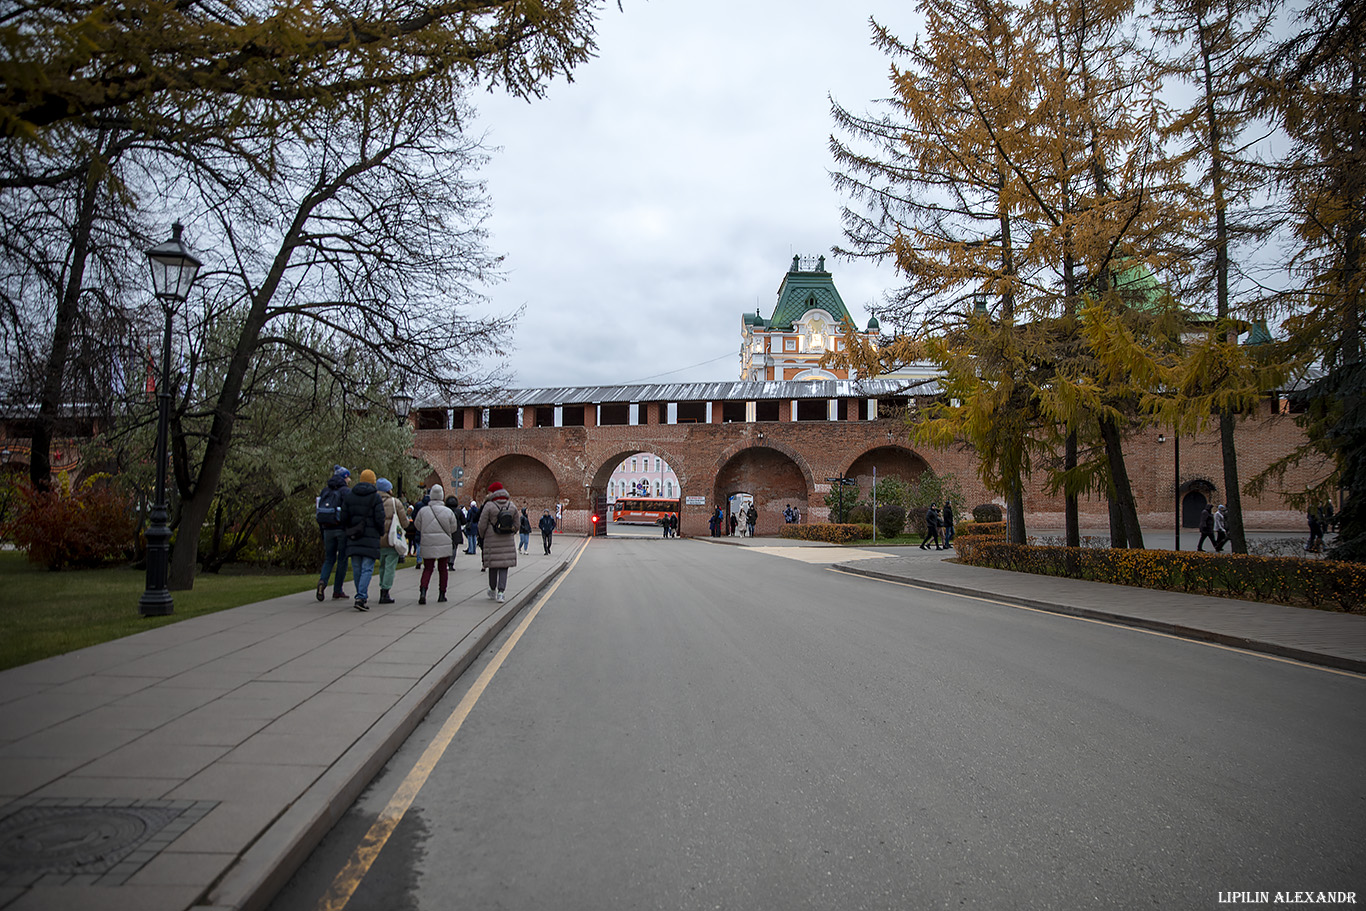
(457, 536)
(524, 532)
(471, 522)
(1315, 531)
(547, 525)
(363, 518)
(931, 528)
(334, 536)
(1206, 527)
(948, 523)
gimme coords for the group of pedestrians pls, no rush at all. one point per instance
(365, 523)
(1213, 527)
(935, 521)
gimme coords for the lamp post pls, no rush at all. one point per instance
(174, 269)
(1176, 485)
(403, 404)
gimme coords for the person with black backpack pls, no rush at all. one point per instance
(362, 516)
(498, 538)
(328, 505)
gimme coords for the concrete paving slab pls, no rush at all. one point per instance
(182, 868)
(138, 758)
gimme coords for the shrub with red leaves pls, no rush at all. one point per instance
(86, 527)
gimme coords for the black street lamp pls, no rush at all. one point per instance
(403, 404)
(1176, 481)
(174, 269)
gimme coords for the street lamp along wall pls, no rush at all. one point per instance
(174, 269)
(403, 405)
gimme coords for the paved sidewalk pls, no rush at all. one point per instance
(197, 764)
(1313, 636)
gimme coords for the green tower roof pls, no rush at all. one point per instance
(803, 290)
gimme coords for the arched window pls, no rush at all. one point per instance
(669, 486)
(658, 491)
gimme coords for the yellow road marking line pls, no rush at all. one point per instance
(1116, 625)
(348, 879)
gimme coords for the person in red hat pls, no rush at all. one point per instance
(498, 523)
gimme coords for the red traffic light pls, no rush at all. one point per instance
(595, 520)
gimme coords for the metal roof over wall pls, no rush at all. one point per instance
(693, 392)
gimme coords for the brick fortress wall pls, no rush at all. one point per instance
(782, 462)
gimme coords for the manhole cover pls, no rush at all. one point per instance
(91, 838)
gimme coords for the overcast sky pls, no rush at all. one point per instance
(645, 206)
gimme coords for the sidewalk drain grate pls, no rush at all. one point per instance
(97, 842)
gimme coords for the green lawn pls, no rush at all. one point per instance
(50, 613)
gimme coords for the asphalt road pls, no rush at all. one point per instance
(688, 726)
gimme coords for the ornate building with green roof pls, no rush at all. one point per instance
(806, 323)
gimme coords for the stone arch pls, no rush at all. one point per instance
(532, 483)
(736, 448)
(606, 464)
(774, 476)
(1196, 494)
(890, 459)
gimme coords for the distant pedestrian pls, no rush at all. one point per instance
(388, 556)
(471, 521)
(664, 524)
(948, 524)
(547, 526)
(524, 533)
(497, 527)
(421, 504)
(1206, 527)
(751, 519)
(931, 528)
(457, 537)
(437, 526)
(1220, 528)
(328, 505)
(733, 523)
(1326, 516)
(1315, 544)
(362, 516)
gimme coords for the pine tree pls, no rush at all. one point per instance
(1316, 86)
(1215, 46)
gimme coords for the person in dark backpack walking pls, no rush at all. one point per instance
(334, 536)
(1206, 527)
(547, 525)
(498, 538)
(524, 533)
(948, 524)
(362, 516)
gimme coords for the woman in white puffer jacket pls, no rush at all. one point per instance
(435, 523)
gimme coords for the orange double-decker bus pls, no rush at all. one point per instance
(642, 510)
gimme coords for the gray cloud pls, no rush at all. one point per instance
(646, 205)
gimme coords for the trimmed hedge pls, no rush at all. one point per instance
(1322, 584)
(980, 529)
(988, 512)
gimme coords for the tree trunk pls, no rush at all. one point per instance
(1015, 512)
(1124, 493)
(63, 326)
(1070, 519)
(1233, 496)
(1118, 538)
